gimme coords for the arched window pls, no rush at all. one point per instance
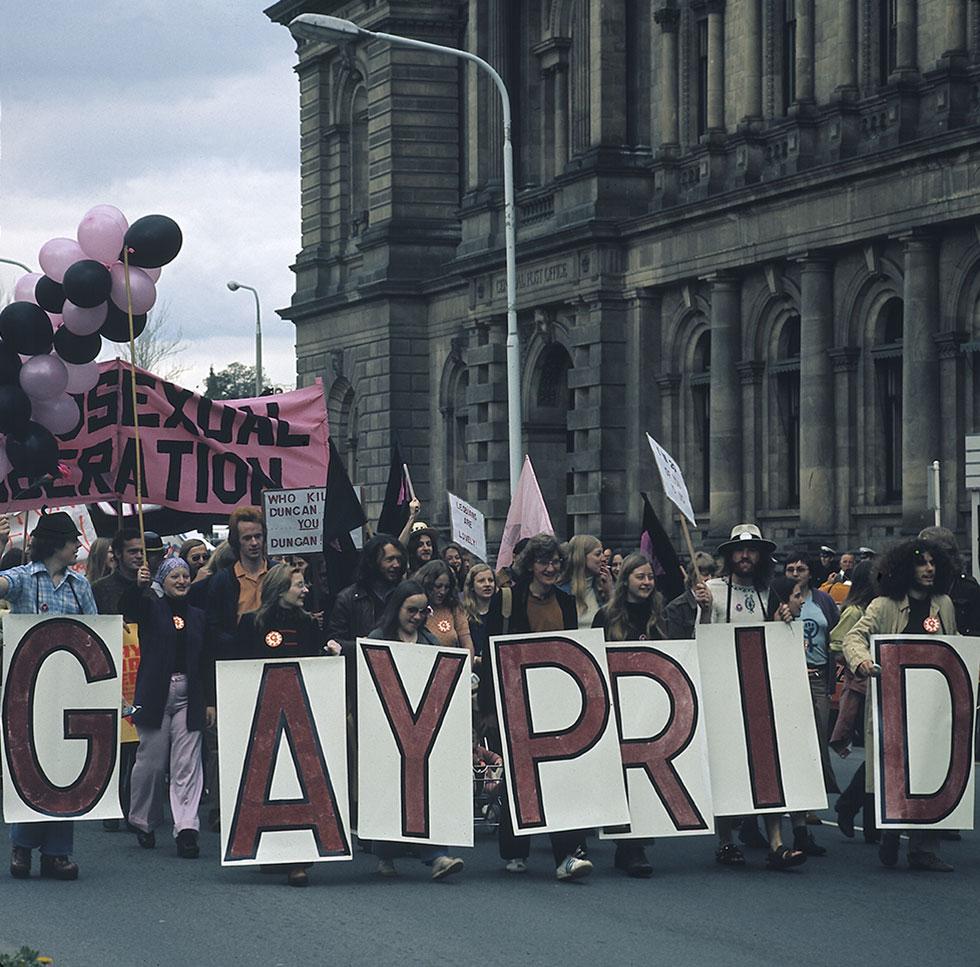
(549, 440)
(700, 384)
(887, 355)
(456, 415)
(887, 39)
(359, 173)
(786, 369)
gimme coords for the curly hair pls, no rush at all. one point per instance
(541, 547)
(618, 626)
(412, 546)
(428, 574)
(896, 572)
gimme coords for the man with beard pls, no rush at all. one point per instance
(741, 596)
(914, 578)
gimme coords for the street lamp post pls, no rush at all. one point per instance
(315, 26)
(19, 265)
(234, 286)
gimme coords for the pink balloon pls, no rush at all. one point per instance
(56, 320)
(57, 254)
(154, 273)
(43, 377)
(101, 232)
(141, 286)
(82, 376)
(58, 415)
(83, 322)
(24, 289)
(5, 465)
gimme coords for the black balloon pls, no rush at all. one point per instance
(116, 325)
(33, 452)
(50, 295)
(153, 240)
(77, 349)
(26, 328)
(9, 364)
(87, 283)
(15, 410)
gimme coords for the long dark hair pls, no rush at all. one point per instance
(428, 574)
(387, 627)
(367, 566)
(864, 585)
(618, 627)
(897, 569)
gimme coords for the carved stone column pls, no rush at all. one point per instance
(668, 18)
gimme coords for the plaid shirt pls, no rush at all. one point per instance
(32, 592)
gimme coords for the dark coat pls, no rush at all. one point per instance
(158, 645)
(222, 612)
(290, 634)
(356, 612)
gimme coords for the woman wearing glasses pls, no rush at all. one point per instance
(403, 619)
(535, 603)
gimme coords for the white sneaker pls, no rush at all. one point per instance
(387, 868)
(516, 866)
(573, 868)
(443, 866)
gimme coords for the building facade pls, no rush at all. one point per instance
(750, 228)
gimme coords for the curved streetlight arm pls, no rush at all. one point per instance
(19, 265)
(258, 332)
(318, 26)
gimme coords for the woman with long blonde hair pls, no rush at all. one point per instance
(587, 577)
(100, 560)
(479, 587)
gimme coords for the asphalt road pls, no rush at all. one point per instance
(136, 908)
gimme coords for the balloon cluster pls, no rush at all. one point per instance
(51, 335)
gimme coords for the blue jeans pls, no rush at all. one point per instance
(52, 839)
(390, 851)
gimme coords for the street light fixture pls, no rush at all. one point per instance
(235, 286)
(315, 26)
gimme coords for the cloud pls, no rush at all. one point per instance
(191, 110)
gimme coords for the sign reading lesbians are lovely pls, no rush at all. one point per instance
(643, 738)
(198, 455)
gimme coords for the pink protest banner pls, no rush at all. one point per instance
(199, 455)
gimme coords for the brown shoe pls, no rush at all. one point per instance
(20, 862)
(297, 877)
(58, 867)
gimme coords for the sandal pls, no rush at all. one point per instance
(782, 858)
(728, 854)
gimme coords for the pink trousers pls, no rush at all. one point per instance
(169, 748)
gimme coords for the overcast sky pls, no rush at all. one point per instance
(187, 109)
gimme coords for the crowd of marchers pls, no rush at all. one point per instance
(194, 606)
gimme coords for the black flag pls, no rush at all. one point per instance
(342, 513)
(394, 512)
(655, 543)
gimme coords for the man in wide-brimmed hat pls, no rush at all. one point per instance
(741, 596)
(46, 586)
(742, 592)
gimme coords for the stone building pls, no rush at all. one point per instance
(750, 228)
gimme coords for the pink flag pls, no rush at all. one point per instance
(527, 516)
